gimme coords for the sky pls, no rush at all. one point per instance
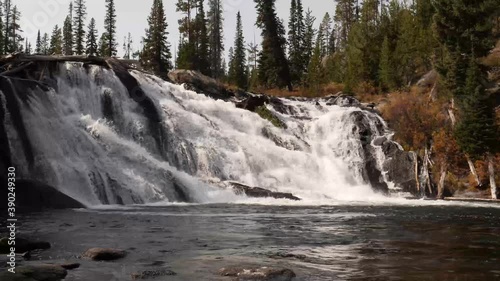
(132, 17)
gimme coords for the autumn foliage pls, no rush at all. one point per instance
(414, 118)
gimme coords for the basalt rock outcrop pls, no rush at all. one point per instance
(198, 82)
(258, 192)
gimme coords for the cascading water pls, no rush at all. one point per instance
(93, 142)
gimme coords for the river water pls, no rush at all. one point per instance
(402, 240)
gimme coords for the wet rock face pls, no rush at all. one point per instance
(371, 171)
(104, 254)
(258, 273)
(37, 196)
(200, 83)
(258, 192)
(400, 167)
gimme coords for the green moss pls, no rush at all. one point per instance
(265, 113)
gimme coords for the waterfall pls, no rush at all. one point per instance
(92, 141)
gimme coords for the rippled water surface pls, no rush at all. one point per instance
(319, 243)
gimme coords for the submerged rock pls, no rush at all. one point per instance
(22, 245)
(104, 254)
(258, 192)
(44, 272)
(152, 274)
(70, 266)
(258, 273)
(265, 113)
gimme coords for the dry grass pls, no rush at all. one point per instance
(323, 91)
(493, 59)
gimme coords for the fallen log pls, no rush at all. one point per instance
(18, 58)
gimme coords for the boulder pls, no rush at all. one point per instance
(152, 274)
(33, 195)
(371, 170)
(268, 115)
(200, 83)
(258, 192)
(258, 273)
(252, 102)
(343, 101)
(70, 266)
(43, 272)
(104, 254)
(22, 245)
(400, 169)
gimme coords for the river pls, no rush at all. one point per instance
(400, 240)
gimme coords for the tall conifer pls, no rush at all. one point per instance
(79, 26)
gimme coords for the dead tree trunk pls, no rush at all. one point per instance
(442, 178)
(427, 178)
(473, 170)
(491, 172)
(417, 180)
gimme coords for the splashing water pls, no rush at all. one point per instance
(96, 144)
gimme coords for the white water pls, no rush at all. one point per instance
(98, 161)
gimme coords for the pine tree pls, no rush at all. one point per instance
(68, 41)
(273, 64)
(127, 47)
(187, 43)
(216, 37)
(238, 62)
(14, 32)
(296, 32)
(92, 47)
(308, 39)
(477, 133)
(230, 71)
(79, 26)
(324, 32)
(156, 54)
(45, 47)
(364, 47)
(386, 73)
(461, 42)
(405, 53)
(345, 16)
(56, 42)
(315, 70)
(201, 58)
(253, 54)
(103, 44)
(110, 28)
(38, 46)
(27, 49)
(7, 9)
(461, 38)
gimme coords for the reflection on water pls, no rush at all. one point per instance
(318, 243)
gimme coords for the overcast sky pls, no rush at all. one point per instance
(132, 17)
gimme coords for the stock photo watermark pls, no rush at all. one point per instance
(47, 10)
(11, 219)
